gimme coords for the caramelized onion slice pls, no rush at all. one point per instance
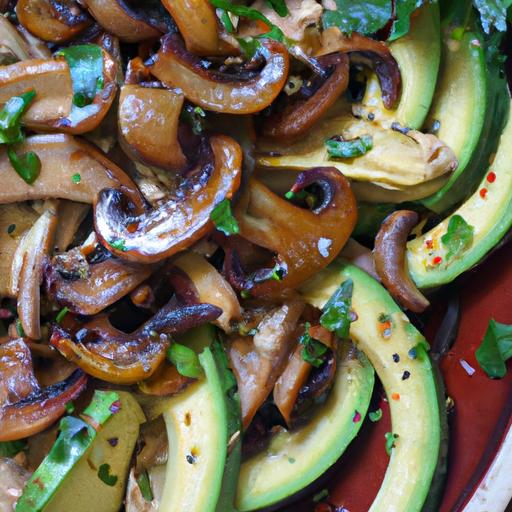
(41, 409)
(148, 124)
(257, 362)
(199, 26)
(62, 157)
(42, 19)
(113, 356)
(390, 260)
(299, 116)
(109, 281)
(174, 66)
(179, 221)
(118, 18)
(50, 79)
(370, 52)
(304, 241)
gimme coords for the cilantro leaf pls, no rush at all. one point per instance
(185, 359)
(28, 165)
(223, 218)
(10, 117)
(105, 476)
(458, 237)
(336, 312)
(349, 148)
(495, 349)
(493, 14)
(375, 415)
(402, 22)
(313, 350)
(279, 6)
(363, 16)
(86, 66)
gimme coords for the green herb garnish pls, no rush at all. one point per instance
(76, 178)
(279, 6)
(118, 244)
(375, 415)
(19, 329)
(320, 496)
(145, 486)
(61, 314)
(223, 218)
(390, 441)
(10, 118)
(28, 165)
(70, 407)
(105, 476)
(495, 349)
(349, 148)
(185, 359)
(11, 228)
(313, 350)
(458, 237)
(12, 448)
(336, 312)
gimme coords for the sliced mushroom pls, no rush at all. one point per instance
(179, 221)
(37, 48)
(257, 362)
(50, 79)
(148, 125)
(106, 283)
(211, 287)
(15, 220)
(114, 356)
(25, 408)
(299, 116)
(13, 478)
(371, 52)
(360, 256)
(199, 26)
(42, 19)
(30, 254)
(13, 47)
(390, 260)
(70, 169)
(118, 18)
(174, 66)
(71, 215)
(302, 241)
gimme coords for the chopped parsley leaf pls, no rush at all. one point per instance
(105, 476)
(313, 350)
(349, 148)
(375, 415)
(336, 312)
(390, 441)
(223, 218)
(458, 237)
(61, 314)
(185, 359)
(495, 349)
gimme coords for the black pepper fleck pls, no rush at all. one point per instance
(113, 441)
(191, 459)
(371, 116)
(406, 375)
(396, 358)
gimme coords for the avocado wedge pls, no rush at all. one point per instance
(397, 352)
(485, 218)
(204, 432)
(85, 470)
(470, 105)
(293, 460)
(418, 55)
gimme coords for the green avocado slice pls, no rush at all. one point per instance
(203, 427)
(397, 352)
(293, 460)
(470, 106)
(487, 214)
(418, 55)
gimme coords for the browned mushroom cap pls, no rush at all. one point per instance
(87, 118)
(199, 26)
(30, 254)
(390, 262)
(50, 79)
(181, 220)
(114, 356)
(258, 362)
(174, 66)
(52, 20)
(299, 116)
(25, 408)
(148, 124)
(15, 220)
(370, 52)
(106, 283)
(62, 157)
(131, 26)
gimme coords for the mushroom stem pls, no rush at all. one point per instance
(390, 261)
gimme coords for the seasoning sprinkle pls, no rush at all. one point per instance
(396, 358)
(437, 260)
(483, 193)
(11, 228)
(190, 459)
(357, 417)
(491, 177)
(406, 375)
(395, 396)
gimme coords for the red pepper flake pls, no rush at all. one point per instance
(115, 407)
(5, 314)
(357, 417)
(429, 243)
(437, 260)
(491, 177)
(483, 193)
(395, 396)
